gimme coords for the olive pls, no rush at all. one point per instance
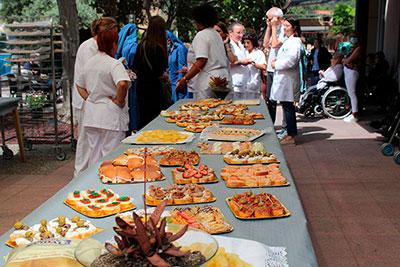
(80, 223)
(75, 219)
(47, 235)
(252, 154)
(61, 220)
(43, 222)
(42, 229)
(59, 230)
(29, 234)
(234, 152)
(18, 225)
(243, 201)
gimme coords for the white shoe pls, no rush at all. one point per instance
(350, 119)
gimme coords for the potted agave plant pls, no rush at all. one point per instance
(147, 243)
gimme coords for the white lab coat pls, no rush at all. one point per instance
(104, 123)
(286, 77)
(85, 51)
(253, 86)
(239, 73)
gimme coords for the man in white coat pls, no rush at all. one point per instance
(239, 72)
(286, 77)
(273, 40)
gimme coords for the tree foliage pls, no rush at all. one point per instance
(343, 18)
(36, 9)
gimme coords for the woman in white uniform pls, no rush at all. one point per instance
(103, 84)
(258, 64)
(286, 77)
(208, 52)
(85, 51)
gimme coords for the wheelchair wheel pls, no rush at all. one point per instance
(387, 149)
(336, 103)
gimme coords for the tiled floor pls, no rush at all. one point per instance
(350, 193)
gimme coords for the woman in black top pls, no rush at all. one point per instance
(151, 62)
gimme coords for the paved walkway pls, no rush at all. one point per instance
(350, 193)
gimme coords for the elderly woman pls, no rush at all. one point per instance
(286, 77)
(206, 56)
(332, 74)
(103, 85)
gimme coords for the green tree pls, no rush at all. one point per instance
(343, 18)
(11, 8)
(29, 9)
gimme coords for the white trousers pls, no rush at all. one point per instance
(350, 78)
(94, 144)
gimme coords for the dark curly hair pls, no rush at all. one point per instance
(252, 38)
(205, 15)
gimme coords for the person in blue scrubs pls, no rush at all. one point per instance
(177, 59)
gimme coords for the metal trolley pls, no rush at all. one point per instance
(36, 55)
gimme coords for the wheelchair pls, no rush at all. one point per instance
(332, 101)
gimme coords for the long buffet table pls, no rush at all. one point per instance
(290, 232)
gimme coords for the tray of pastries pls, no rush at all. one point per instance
(60, 227)
(253, 155)
(231, 109)
(152, 151)
(249, 205)
(198, 127)
(130, 169)
(179, 194)
(179, 158)
(189, 174)
(221, 148)
(206, 218)
(231, 134)
(98, 203)
(253, 176)
(238, 120)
